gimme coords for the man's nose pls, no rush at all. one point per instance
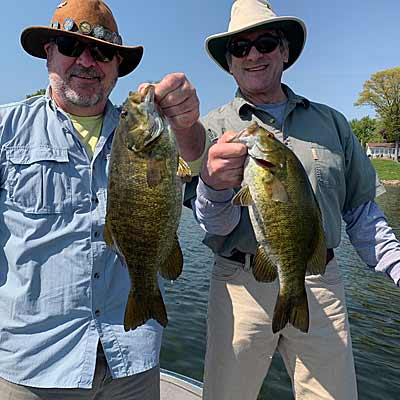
(254, 54)
(86, 59)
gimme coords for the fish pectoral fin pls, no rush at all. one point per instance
(293, 310)
(279, 192)
(172, 267)
(184, 171)
(317, 262)
(107, 235)
(242, 197)
(155, 171)
(264, 269)
(140, 309)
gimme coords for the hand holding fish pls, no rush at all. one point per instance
(223, 167)
(178, 100)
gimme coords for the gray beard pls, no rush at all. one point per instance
(70, 95)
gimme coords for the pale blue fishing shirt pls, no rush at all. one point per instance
(61, 288)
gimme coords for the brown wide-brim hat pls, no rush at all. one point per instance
(89, 20)
(249, 15)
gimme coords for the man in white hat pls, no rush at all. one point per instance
(62, 290)
(256, 50)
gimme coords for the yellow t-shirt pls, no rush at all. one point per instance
(89, 129)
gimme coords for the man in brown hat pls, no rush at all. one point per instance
(257, 48)
(62, 291)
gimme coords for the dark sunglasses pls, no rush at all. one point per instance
(72, 47)
(264, 44)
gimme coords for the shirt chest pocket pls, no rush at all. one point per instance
(38, 181)
(328, 166)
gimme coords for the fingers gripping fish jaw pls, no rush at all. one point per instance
(262, 146)
(142, 119)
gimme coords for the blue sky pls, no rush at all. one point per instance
(347, 42)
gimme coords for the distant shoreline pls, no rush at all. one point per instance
(391, 182)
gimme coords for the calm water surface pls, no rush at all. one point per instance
(372, 300)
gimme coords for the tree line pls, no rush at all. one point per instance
(382, 93)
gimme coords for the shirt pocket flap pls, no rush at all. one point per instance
(328, 164)
(31, 155)
(38, 180)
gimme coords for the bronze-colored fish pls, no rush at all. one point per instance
(287, 223)
(144, 205)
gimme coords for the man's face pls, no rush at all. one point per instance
(80, 85)
(258, 74)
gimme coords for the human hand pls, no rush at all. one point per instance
(177, 99)
(223, 166)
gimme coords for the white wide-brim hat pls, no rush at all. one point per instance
(248, 15)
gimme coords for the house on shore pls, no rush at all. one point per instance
(381, 150)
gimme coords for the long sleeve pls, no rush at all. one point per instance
(214, 211)
(373, 239)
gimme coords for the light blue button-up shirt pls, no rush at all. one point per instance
(61, 288)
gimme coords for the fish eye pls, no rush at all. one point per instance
(124, 114)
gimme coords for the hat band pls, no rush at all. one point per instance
(85, 28)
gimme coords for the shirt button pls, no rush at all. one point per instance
(97, 234)
(95, 200)
(97, 313)
(97, 275)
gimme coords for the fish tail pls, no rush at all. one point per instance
(291, 310)
(137, 311)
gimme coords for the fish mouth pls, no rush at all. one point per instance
(144, 145)
(264, 163)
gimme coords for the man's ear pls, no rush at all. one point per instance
(46, 47)
(229, 61)
(285, 53)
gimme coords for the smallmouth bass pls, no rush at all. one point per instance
(144, 205)
(286, 220)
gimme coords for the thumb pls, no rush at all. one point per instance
(227, 137)
(142, 87)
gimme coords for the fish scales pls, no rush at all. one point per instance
(286, 220)
(144, 205)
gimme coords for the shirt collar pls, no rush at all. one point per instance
(240, 104)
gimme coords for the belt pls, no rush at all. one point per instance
(240, 257)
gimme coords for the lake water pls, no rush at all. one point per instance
(372, 300)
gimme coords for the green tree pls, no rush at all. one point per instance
(38, 93)
(366, 130)
(382, 93)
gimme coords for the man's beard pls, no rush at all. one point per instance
(63, 88)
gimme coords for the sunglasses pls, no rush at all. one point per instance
(264, 44)
(72, 47)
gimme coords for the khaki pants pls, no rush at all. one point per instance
(143, 386)
(240, 343)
